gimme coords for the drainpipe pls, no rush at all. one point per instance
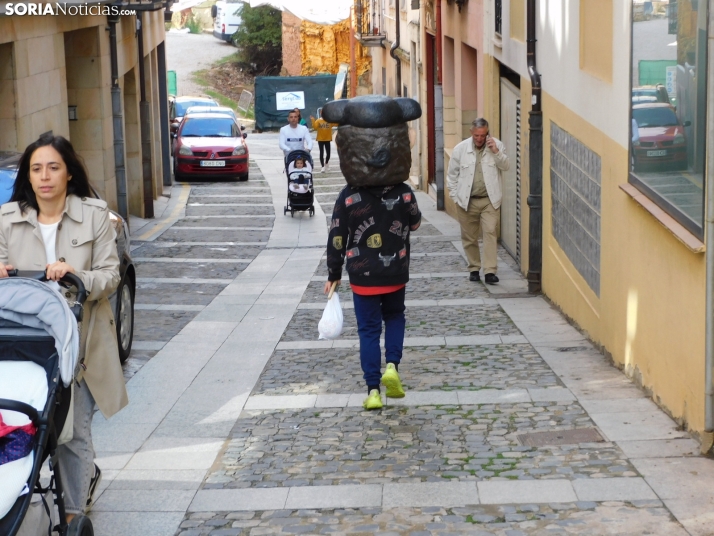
(117, 121)
(439, 117)
(164, 114)
(535, 163)
(393, 53)
(708, 435)
(144, 119)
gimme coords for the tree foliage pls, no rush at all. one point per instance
(260, 38)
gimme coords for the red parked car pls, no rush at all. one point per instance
(210, 145)
(660, 141)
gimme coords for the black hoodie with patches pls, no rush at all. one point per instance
(370, 227)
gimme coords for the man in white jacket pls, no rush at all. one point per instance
(474, 182)
(295, 137)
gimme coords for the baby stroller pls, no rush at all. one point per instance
(39, 347)
(301, 195)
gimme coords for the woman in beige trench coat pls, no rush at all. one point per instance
(52, 223)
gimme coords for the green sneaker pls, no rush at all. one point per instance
(373, 401)
(390, 379)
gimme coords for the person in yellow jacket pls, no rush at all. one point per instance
(324, 140)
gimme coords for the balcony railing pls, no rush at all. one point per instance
(369, 28)
(499, 16)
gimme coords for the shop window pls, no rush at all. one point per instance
(668, 112)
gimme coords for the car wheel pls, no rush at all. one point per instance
(125, 318)
(243, 177)
(177, 176)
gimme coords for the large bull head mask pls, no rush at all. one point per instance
(373, 138)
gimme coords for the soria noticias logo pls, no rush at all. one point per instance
(57, 8)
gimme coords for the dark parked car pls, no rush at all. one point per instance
(209, 144)
(123, 299)
(662, 141)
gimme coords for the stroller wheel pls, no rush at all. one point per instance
(312, 212)
(81, 525)
(285, 211)
(292, 213)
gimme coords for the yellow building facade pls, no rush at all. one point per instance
(620, 257)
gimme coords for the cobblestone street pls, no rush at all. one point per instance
(509, 426)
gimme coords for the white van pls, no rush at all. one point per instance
(225, 20)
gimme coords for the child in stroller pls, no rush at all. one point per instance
(298, 168)
(300, 176)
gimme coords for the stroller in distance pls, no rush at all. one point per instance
(301, 194)
(39, 347)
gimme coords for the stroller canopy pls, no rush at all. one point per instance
(33, 304)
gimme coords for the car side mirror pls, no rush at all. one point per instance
(245, 135)
(242, 127)
(687, 124)
(174, 125)
(174, 135)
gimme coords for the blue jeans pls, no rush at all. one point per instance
(370, 311)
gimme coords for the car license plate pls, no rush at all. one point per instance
(213, 163)
(657, 153)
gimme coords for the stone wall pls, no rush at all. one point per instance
(292, 59)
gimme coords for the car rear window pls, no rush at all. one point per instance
(181, 107)
(209, 127)
(655, 117)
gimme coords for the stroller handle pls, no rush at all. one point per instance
(68, 279)
(21, 407)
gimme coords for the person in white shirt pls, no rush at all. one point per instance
(295, 137)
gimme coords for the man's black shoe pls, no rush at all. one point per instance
(491, 279)
(474, 277)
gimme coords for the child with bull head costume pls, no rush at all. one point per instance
(371, 222)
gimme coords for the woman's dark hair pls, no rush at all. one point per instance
(79, 185)
(299, 159)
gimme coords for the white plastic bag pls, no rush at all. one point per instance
(330, 325)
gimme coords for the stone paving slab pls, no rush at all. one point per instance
(557, 494)
(558, 519)
(179, 293)
(192, 260)
(226, 209)
(412, 398)
(533, 491)
(160, 325)
(195, 270)
(614, 489)
(179, 248)
(191, 253)
(334, 496)
(222, 221)
(182, 281)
